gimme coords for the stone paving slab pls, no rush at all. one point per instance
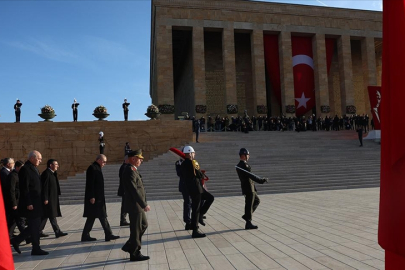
(308, 230)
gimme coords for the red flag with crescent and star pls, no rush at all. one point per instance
(303, 69)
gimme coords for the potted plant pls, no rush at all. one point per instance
(47, 113)
(100, 112)
(152, 112)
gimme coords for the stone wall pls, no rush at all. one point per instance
(75, 145)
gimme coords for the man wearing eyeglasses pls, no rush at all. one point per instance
(94, 201)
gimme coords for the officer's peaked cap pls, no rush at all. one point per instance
(136, 153)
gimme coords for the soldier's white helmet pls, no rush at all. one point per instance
(188, 149)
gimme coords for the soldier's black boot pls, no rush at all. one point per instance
(187, 227)
(250, 226)
(197, 234)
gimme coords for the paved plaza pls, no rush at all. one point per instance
(308, 230)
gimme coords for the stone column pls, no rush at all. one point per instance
(369, 67)
(345, 72)
(228, 55)
(286, 72)
(164, 67)
(320, 73)
(258, 71)
(200, 97)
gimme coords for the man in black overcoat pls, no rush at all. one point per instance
(94, 201)
(30, 204)
(192, 175)
(121, 191)
(135, 205)
(12, 197)
(247, 180)
(50, 194)
(8, 165)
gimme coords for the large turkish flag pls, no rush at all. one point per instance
(391, 230)
(303, 69)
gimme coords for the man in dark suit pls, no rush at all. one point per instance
(121, 192)
(50, 194)
(17, 110)
(30, 204)
(125, 106)
(12, 197)
(247, 180)
(135, 205)
(187, 205)
(74, 109)
(360, 134)
(192, 175)
(94, 201)
(8, 165)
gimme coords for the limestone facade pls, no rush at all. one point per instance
(75, 145)
(226, 55)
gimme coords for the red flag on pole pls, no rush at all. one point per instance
(391, 230)
(6, 258)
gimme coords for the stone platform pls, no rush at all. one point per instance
(309, 230)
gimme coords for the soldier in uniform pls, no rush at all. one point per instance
(121, 191)
(125, 107)
(74, 109)
(190, 172)
(17, 109)
(247, 180)
(135, 205)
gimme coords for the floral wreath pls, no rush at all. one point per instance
(152, 109)
(232, 108)
(100, 109)
(47, 109)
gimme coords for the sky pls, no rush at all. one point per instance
(97, 52)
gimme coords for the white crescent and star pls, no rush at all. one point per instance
(306, 60)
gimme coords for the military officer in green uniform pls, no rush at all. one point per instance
(247, 180)
(135, 205)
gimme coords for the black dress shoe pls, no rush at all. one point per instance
(250, 226)
(39, 252)
(204, 217)
(111, 237)
(188, 227)
(201, 221)
(138, 257)
(42, 235)
(124, 223)
(88, 239)
(16, 246)
(197, 234)
(59, 234)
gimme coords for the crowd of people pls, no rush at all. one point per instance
(282, 123)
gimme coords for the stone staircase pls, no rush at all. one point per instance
(293, 162)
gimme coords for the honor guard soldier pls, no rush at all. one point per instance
(74, 109)
(135, 205)
(247, 180)
(192, 175)
(17, 109)
(125, 106)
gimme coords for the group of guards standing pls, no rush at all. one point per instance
(75, 110)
